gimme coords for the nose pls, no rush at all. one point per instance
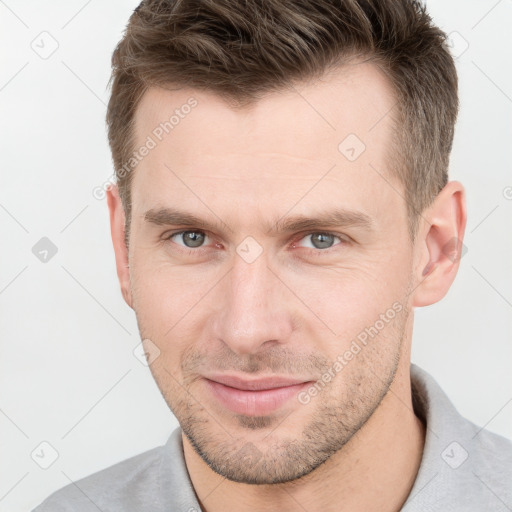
(252, 309)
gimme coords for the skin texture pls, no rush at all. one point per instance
(299, 306)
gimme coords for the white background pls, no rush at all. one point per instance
(68, 374)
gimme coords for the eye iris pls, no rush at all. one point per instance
(195, 238)
(322, 240)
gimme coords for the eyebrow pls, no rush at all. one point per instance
(337, 218)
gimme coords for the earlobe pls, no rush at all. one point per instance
(117, 230)
(441, 245)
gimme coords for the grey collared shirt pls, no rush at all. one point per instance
(463, 468)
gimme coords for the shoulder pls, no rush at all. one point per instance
(492, 460)
(464, 466)
(123, 486)
(474, 469)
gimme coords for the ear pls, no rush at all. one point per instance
(440, 245)
(117, 229)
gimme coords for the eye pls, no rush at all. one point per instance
(322, 241)
(196, 241)
(189, 239)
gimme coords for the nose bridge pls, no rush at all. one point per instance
(251, 310)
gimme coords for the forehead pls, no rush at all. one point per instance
(333, 134)
(351, 99)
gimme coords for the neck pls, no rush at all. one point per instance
(374, 471)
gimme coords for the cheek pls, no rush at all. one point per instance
(167, 302)
(167, 297)
(348, 299)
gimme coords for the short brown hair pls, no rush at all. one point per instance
(242, 49)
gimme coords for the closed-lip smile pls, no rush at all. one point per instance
(254, 397)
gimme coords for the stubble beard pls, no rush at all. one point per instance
(233, 448)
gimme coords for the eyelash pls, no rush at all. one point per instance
(317, 252)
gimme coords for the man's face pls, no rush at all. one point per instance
(237, 296)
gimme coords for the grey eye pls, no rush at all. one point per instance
(320, 240)
(190, 239)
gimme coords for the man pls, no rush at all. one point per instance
(282, 205)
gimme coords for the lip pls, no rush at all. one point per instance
(256, 397)
(271, 382)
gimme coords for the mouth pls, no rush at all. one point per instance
(256, 397)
